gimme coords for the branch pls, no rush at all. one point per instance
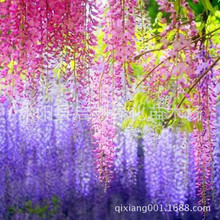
(194, 41)
(148, 74)
(161, 48)
(166, 121)
(159, 36)
(148, 51)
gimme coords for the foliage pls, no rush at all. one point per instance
(159, 58)
(43, 211)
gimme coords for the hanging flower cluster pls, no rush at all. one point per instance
(51, 53)
(126, 161)
(174, 60)
(216, 164)
(177, 78)
(38, 164)
(204, 137)
(119, 29)
(35, 35)
(167, 167)
(102, 121)
(45, 161)
(109, 81)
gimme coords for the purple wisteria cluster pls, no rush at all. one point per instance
(48, 169)
(168, 172)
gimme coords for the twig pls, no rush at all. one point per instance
(148, 74)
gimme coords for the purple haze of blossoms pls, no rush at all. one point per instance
(47, 158)
(168, 173)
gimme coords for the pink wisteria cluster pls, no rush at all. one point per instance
(102, 120)
(178, 52)
(178, 66)
(119, 29)
(187, 58)
(204, 140)
(47, 41)
(36, 35)
(43, 40)
(110, 80)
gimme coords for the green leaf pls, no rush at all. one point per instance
(216, 4)
(177, 6)
(197, 8)
(138, 69)
(188, 125)
(201, 27)
(208, 6)
(11, 210)
(136, 123)
(126, 123)
(55, 200)
(129, 105)
(176, 124)
(158, 129)
(199, 126)
(28, 204)
(138, 97)
(146, 111)
(152, 8)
